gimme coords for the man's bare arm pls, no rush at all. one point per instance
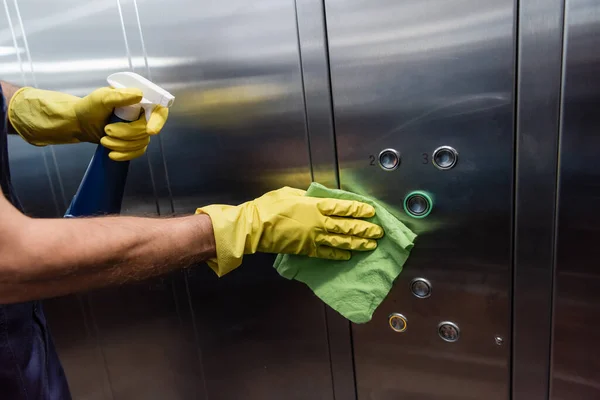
(8, 90)
(42, 258)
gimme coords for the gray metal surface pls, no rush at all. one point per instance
(538, 97)
(33, 172)
(237, 129)
(575, 366)
(413, 76)
(312, 39)
(72, 47)
(314, 56)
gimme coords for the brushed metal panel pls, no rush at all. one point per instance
(121, 335)
(314, 52)
(236, 130)
(414, 75)
(575, 366)
(30, 168)
(538, 98)
(314, 56)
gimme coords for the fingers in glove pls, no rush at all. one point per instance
(329, 253)
(294, 191)
(128, 130)
(114, 98)
(353, 227)
(346, 242)
(157, 120)
(126, 155)
(124, 145)
(345, 208)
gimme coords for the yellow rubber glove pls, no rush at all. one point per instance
(43, 117)
(286, 221)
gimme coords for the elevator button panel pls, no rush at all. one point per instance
(397, 322)
(418, 204)
(389, 159)
(445, 157)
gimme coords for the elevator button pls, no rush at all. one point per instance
(445, 157)
(418, 204)
(420, 287)
(389, 159)
(448, 331)
(397, 322)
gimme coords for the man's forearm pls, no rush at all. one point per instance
(8, 90)
(57, 257)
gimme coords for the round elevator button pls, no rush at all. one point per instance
(448, 331)
(420, 287)
(389, 159)
(418, 204)
(397, 322)
(445, 157)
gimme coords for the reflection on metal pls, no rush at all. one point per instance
(389, 159)
(287, 90)
(421, 288)
(444, 157)
(234, 67)
(418, 204)
(398, 322)
(449, 331)
(413, 75)
(536, 157)
(314, 60)
(575, 346)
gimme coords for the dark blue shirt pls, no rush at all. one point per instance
(29, 365)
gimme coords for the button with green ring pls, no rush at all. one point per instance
(418, 204)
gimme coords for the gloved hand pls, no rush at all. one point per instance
(287, 221)
(45, 117)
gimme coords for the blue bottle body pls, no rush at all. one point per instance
(103, 184)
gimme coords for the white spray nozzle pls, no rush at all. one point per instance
(153, 94)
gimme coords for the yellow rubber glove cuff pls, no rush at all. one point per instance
(44, 117)
(286, 221)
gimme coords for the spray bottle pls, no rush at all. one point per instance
(101, 189)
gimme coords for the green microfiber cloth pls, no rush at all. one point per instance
(354, 288)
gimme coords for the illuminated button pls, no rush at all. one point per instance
(420, 287)
(397, 322)
(389, 159)
(448, 331)
(445, 157)
(418, 204)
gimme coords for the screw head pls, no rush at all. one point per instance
(499, 340)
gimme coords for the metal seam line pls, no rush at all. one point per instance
(303, 88)
(158, 137)
(565, 37)
(331, 104)
(514, 195)
(14, 37)
(24, 80)
(130, 60)
(50, 148)
(127, 50)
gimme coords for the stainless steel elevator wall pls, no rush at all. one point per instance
(575, 372)
(237, 129)
(412, 76)
(272, 93)
(33, 169)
